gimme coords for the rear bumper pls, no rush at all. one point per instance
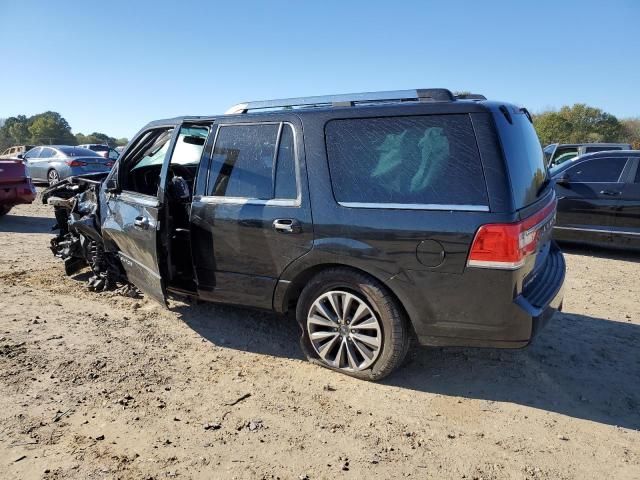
(490, 317)
(541, 300)
(17, 193)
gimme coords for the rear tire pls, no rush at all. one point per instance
(351, 323)
(4, 209)
(53, 177)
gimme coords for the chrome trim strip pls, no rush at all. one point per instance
(416, 206)
(497, 265)
(596, 230)
(274, 202)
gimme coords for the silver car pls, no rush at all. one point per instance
(56, 162)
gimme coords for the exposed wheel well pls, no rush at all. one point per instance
(300, 281)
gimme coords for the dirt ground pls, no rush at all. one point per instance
(97, 386)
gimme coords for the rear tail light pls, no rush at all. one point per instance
(76, 163)
(506, 245)
(109, 164)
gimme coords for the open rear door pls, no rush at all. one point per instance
(134, 207)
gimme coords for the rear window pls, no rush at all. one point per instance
(99, 148)
(78, 152)
(405, 160)
(525, 159)
(602, 149)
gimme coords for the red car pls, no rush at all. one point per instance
(15, 185)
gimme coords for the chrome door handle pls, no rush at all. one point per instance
(286, 225)
(611, 193)
(141, 222)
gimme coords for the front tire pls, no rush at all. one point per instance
(4, 209)
(352, 323)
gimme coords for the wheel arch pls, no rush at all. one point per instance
(288, 292)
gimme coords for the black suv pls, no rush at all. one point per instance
(376, 217)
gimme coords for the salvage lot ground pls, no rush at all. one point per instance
(106, 386)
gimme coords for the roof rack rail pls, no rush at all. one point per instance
(470, 96)
(348, 100)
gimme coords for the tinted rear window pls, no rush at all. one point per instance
(525, 160)
(601, 149)
(405, 160)
(78, 152)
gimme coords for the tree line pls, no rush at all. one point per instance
(581, 123)
(48, 128)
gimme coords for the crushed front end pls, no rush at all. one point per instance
(76, 203)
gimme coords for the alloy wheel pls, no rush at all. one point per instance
(344, 331)
(53, 177)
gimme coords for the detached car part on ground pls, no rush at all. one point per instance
(15, 185)
(376, 217)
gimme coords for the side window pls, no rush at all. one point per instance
(286, 185)
(430, 159)
(33, 153)
(597, 170)
(638, 174)
(47, 153)
(141, 169)
(189, 145)
(242, 161)
(561, 155)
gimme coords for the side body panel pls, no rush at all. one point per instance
(591, 212)
(627, 219)
(448, 304)
(238, 254)
(131, 223)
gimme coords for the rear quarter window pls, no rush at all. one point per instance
(425, 160)
(525, 159)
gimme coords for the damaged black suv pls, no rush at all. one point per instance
(378, 218)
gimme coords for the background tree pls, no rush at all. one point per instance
(46, 129)
(551, 128)
(97, 137)
(16, 129)
(51, 128)
(631, 131)
(579, 123)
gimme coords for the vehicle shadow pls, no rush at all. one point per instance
(600, 252)
(243, 329)
(25, 224)
(578, 366)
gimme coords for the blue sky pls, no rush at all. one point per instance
(113, 66)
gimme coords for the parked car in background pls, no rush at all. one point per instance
(558, 153)
(599, 199)
(53, 163)
(376, 217)
(103, 150)
(16, 151)
(15, 185)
